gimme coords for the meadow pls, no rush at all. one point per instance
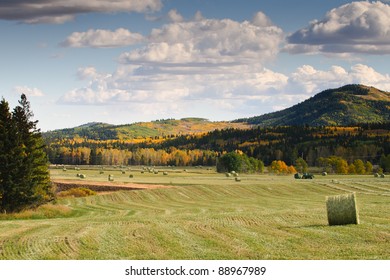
(203, 215)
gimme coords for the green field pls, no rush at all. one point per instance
(204, 215)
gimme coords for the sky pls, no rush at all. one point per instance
(128, 61)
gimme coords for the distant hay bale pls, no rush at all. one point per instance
(376, 175)
(342, 209)
(324, 173)
(78, 174)
(110, 177)
(101, 172)
(123, 172)
(238, 179)
(228, 174)
(165, 173)
(131, 176)
(83, 176)
(382, 175)
(64, 169)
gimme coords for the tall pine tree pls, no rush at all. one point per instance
(25, 180)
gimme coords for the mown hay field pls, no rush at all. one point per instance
(204, 215)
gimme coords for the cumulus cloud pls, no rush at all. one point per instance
(357, 27)
(309, 80)
(174, 16)
(187, 60)
(135, 85)
(100, 38)
(28, 91)
(210, 41)
(60, 11)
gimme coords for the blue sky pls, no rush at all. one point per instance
(130, 60)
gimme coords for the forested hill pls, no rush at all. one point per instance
(159, 128)
(343, 106)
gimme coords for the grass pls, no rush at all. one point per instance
(206, 216)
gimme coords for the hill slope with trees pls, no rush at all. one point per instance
(343, 106)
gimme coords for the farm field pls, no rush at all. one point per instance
(202, 215)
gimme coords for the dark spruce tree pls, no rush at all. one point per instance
(25, 181)
(7, 137)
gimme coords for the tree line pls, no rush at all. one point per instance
(368, 142)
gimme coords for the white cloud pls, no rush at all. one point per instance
(357, 27)
(261, 19)
(174, 16)
(210, 41)
(310, 80)
(158, 84)
(190, 61)
(28, 91)
(60, 11)
(101, 38)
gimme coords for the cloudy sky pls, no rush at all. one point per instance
(126, 61)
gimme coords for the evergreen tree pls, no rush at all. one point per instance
(25, 180)
(6, 150)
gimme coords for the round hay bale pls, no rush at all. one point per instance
(228, 174)
(238, 179)
(83, 176)
(324, 173)
(131, 176)
(165, 173)
(382, 175)
(342, 209)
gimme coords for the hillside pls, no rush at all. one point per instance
(159, 128)
(343, 106)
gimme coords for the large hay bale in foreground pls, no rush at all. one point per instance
(342, 209)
